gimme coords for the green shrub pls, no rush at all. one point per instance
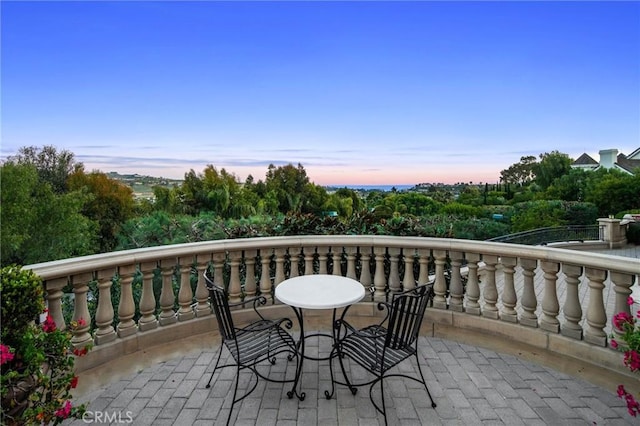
(633, 233)
(22, 298)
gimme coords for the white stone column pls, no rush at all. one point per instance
(473, 288)
(250, 272)
(351, 262)
(185, 293)
(596, 314)
(54, 304)
(408, 281)
(440, 286)
(550, 305)
(294, 262)
(323, 257)
(572, 309)
(126, 307)
(394, 271)
(148, 320)
(379, 280)
(528, 297)
(81, 336)
(489, 289)
(202, 308)
(509, 298)
(167, 296)
(456, 291)
(279, 259)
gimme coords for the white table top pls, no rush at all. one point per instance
(319, 291)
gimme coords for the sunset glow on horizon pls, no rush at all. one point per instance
(358, 93)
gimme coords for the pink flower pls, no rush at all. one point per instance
(49, 324)
(74, 382)
(613, 344)
(81, 322)
(64, 411)
(629, 300)
(622, 318)
(633, 407)
(5, 354)
(632, 360)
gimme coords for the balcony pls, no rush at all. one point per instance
(543, 305)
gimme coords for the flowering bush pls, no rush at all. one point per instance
(36, 360)
(629, 329)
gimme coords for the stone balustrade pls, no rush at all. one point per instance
(558, 300)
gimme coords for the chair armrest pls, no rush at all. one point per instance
(256, 301)
(266, 324)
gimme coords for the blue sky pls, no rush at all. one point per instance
(356, 92)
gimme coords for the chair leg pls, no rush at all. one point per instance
(235, 393)
(352, 388)
(384, 407)
(215, 367)
(424, 382)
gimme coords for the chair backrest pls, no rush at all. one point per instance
(405, 316)
(220, 302)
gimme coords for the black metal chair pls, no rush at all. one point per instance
(259, 341)
(380, 347)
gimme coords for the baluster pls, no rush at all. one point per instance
(280, 258)
(528, 297)
(572, 309)
(365, 267)
(351, 262)
(294, 260)
(167, 297)
(81, 336)
(423, 260)
(217, 264)
(185, 293)
(202, 308)
(148, 320)
(379, 280)
(54, 303)
(489, 290)
(550, 306)
(308, 261)
(440, 286)
(336, 253)
(509, 298)
(408, 281)
(394, 271)
(126, 307)
(265, 274)
(235, 286)
(104, 313)
(622, 286)
(322, 259)
(456, 290)
(473, 286)
(250, 272)
(596, 314)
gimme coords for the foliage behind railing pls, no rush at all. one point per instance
(553, 234)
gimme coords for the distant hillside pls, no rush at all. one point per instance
(143, 185)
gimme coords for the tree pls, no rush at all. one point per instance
(109, 202)
(519, 173)
(291, 187)
(552, 166)
(613, 191)
(37, 224)
(53, 167)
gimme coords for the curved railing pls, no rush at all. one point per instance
(555, 299)
(542, 236)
